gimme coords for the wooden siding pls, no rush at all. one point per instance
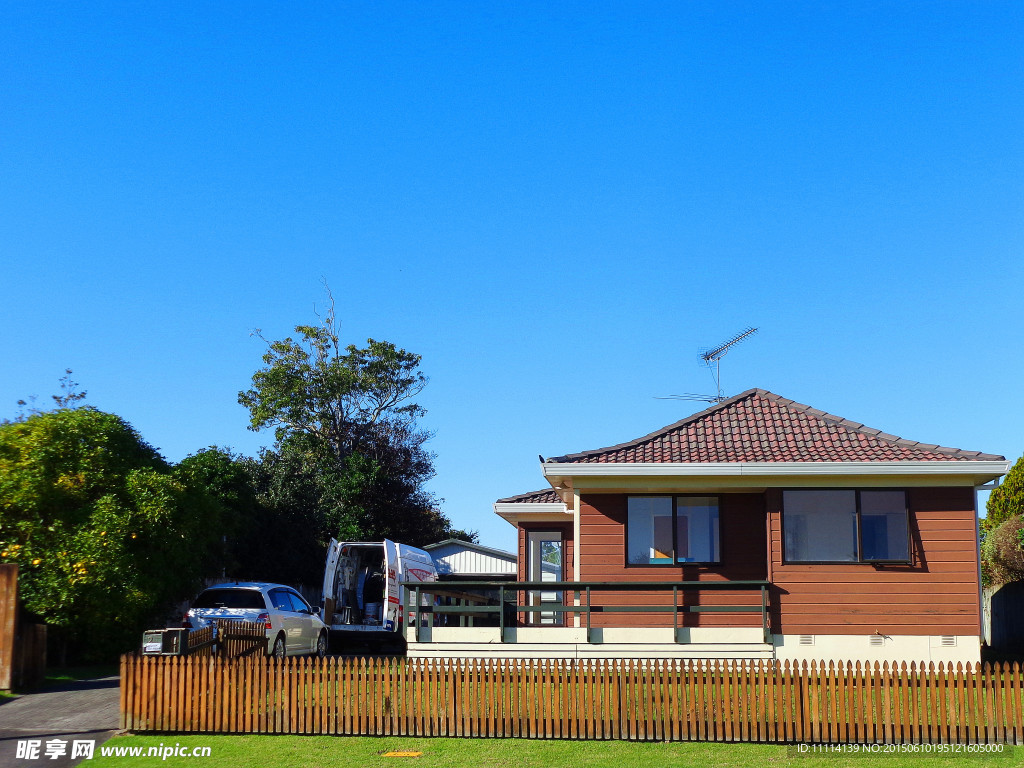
(453, 559)
(742, 545)
(936, 595)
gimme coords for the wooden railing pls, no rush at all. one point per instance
(580, 595)
(667, 700)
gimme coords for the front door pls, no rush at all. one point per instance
(545, 558)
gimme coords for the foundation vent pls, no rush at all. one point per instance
(806, 639)
(876, 641)
(947, 641)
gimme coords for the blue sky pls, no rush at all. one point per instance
(555, 205)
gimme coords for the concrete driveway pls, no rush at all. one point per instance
(83, 710)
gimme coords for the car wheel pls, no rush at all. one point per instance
(321, 645)
(279, 650)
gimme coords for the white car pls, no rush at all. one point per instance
(293, 626)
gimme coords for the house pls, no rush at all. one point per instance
(458, 559)
(757, 528)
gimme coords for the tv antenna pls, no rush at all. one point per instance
(712, 358)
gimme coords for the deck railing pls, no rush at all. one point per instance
(472, 604)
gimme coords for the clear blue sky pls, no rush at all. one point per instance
(554, 204)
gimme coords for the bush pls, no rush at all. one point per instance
(1003, 552)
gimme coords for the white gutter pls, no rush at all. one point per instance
(779, 468)
(530, 507)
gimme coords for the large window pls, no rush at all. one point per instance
(661, 530)
(845, 526)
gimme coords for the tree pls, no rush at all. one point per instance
(1006, 500)
(106, 534)
(1002, 530)
(227, 477)
(345, 400)
(350, 459)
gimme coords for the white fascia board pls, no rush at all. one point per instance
(531, 513)
(528, 507)
(777, 468)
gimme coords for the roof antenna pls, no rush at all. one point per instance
(714, 355)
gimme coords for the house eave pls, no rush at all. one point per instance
(976, 472)
(516, 513)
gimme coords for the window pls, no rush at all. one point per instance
(281, 600)
(230, 598)
(661, 530)
(299, 605)
(845, 526)
(697, 529)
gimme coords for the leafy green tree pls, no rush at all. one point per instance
(1007, 500)
(350, 459)
(1002, 530)
(344, 398)
(227, 478)
(106, 534)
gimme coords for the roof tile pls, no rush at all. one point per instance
(543, 496)
(760, 426)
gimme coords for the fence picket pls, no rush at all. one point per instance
(1015, 707)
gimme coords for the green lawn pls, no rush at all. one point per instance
(367, 752)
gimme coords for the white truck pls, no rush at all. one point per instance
(362, 591)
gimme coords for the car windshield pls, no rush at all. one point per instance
(230, 598)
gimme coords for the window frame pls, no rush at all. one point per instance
(909, 560)
(673, 561)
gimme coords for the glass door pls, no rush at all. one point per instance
(544, 560)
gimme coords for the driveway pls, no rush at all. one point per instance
(83, 710)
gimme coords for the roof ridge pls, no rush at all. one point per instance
(471, 545)
(664, 430)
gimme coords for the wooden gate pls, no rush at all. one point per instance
(22, 643)
(228, 639)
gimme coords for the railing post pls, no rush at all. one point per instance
(764, 612)
(675, 614)
(419, 619)
(501, 613)
(589, 612)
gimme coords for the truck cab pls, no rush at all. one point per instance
(362, 591)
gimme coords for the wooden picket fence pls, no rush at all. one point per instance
(616, 699)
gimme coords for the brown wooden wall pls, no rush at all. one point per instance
(936, 595)
(742, 550)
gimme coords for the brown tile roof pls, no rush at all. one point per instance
(758, 425)
(544, 496)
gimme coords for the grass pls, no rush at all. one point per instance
(367, 752)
